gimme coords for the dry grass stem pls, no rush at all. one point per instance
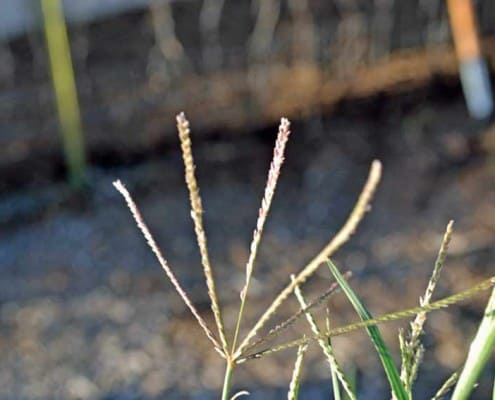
(325, 346)
(197, 217)
(163, 262)
(443, 303)
(357, 214)
(277, 330)
(271, 184)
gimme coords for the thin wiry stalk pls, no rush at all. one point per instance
(295, 382)
(163, 262)
(271, 184)
(443, 303)
(448, 384)
(197, 217)
(357, 214)
(412, 349)
(325, 346)
(277, 330)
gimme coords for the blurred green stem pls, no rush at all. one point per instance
(227, 382)
(64, 85)
(479, 353)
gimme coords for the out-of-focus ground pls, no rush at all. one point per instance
(86, 312)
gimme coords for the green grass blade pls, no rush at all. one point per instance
(388, 363)
(479, 353)
(64, 84)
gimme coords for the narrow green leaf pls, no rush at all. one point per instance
(388, 364)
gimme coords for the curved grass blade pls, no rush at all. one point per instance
(389, 367)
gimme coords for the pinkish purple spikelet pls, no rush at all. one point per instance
(273, 174)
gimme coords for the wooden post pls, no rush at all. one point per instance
(472, 67)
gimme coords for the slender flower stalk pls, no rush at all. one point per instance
(350, 226)
(164, 264)
(271, 184)
(197, 217)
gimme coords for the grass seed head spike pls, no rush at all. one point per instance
(271, 184)
(197, 217)
(412, 350)
(350, 226)
(164, 264)
(295, 382)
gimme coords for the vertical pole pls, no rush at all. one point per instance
(64, 85)
(475, 79)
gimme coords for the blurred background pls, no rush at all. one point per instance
(89, 91)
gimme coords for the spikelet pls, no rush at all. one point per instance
(412, 349)
(197, 217)
(163, 262)
(295, 381)
(271, 184)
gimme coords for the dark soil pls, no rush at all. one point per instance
(86, 312)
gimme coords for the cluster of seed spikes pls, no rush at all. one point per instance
(249, 348)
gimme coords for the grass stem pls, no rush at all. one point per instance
(227, 381)
(479, 352)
